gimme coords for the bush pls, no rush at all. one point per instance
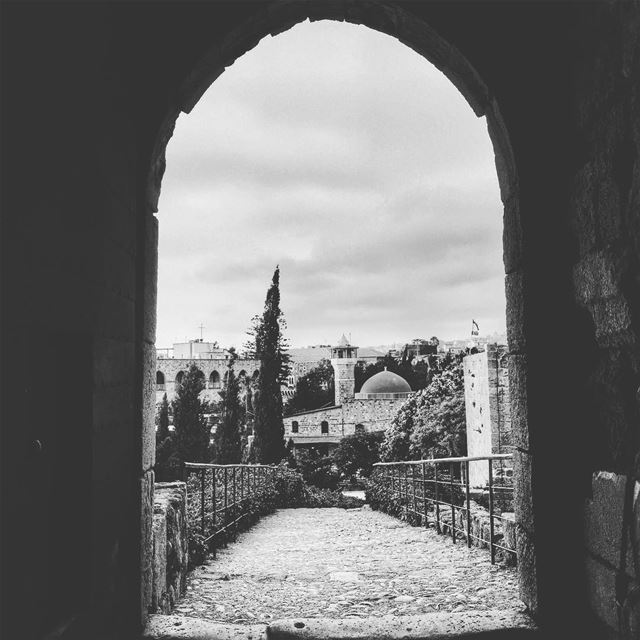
(358, 453)
(318, 471)
(294, 492)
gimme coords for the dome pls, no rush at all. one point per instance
(385, 382)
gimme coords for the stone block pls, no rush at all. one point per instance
(150, 279)
(148, 451)
(612, 319)
(522, 495)
(504, 157)
(601, 589)
(170, 504)
(159, 598)
(597, 276)
(514, 292)
(146, 543)
(512, 235)
(603, 516)
(527, 574)
(518, 398)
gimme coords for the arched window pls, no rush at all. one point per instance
(160, 381)
(294, 426)
(255, 375)
(324, 427)
(179, 377)
(214, 380)
(360, 428)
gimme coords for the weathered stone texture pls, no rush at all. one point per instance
(487, 407)
(170, 545)
(375, 415)
(146, 540)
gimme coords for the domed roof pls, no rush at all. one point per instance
(386, 382)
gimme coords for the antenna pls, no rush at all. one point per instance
(201, 327)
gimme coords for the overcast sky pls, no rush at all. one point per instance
(349, 160)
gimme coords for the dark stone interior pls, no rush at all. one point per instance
(90, 94)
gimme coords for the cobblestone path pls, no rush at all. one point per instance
(334, 563)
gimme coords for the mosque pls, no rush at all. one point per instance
(372, 409)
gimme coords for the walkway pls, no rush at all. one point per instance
(332, 563)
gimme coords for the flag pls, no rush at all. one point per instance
(475, 329)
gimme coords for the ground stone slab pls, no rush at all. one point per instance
(337, 564)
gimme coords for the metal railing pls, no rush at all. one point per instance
(440, 492)
(221, 496)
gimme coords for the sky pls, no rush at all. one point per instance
(347, 159)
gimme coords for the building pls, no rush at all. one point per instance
(304, 359)
(212, 360)
(487, 406)
(369, 410)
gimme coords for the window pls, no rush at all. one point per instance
(179, 377)
(214, 380)
(294, 426)
(324, 427)
(160, 380)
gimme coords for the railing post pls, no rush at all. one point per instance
(435, 475)
(234, 505)
(424, 495)
(202, 478)
(226, 500)
(491, 525)
(413, 488)
(213, 512)
(393, 484)
(468, 501)
(453, 509)
(405, 488)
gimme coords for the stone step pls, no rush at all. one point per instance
(483, 625)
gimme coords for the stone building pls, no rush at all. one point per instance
(487, 406)
(304, 359)
(369, 410)
(212, 360)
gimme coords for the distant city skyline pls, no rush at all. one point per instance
(375, 345)
(349, 160)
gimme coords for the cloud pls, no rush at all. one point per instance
(346, 158)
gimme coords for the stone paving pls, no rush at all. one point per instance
(333, 563)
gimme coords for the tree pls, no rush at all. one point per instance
(164, 444)
(163, 420)
(358, 453)
(191, 429)
(227, 438)
(313, 390)
(431, 422)
(269, 346)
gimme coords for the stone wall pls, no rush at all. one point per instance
(170, 367)
(170, 546)
(374, 415)
(487, 407)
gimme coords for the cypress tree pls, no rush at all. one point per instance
(228, 443)
(164, 444)
(163, 420)
(191, 430)
(269, 347)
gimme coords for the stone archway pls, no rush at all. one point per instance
(392, 19)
